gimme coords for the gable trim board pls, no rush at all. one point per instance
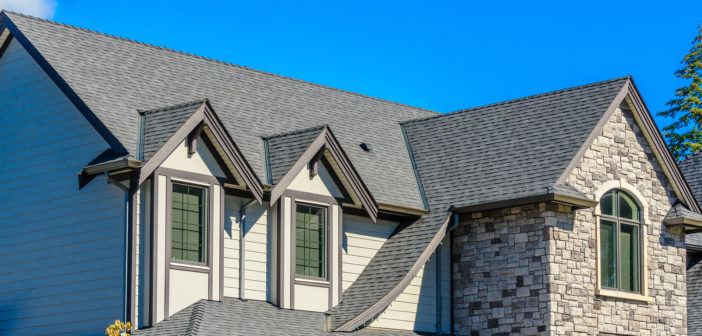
(381, 304)
(7, 24)
(631, 95)
(326, 141)
(205, 115)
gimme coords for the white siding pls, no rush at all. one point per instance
(256, 236)
(416, 308)
(362, 239)
(62, 256)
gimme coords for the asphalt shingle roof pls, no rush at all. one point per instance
(235, 317)
(115, 77)
(507, 150)
(161, 123)
(285, 149)
(691, 167)
(387, 268)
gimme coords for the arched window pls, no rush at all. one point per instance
(620, 242)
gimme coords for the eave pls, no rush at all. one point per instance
(689, 224)
(566, 199)
(112, 166)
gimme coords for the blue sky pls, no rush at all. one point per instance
(440, 55)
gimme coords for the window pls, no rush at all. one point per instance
(310, 241)
(620, 242)
(188, 223)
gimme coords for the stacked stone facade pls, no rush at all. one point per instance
(550, 251)
(500, 272)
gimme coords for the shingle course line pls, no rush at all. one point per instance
(216, 61)
(517, 100)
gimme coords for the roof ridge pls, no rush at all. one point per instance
(294, 132)
(511, 101)
(217, 61)
(174, 106)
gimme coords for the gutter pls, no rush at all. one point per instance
(575, 201)
(111, 166)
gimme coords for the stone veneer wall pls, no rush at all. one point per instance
(620, 153)
(500, 272)
(533, 269)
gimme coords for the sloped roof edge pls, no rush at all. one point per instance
(326, 140)
(6, 23)
(204, 114)
(381, 304)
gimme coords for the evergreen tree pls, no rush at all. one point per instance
(684, 136)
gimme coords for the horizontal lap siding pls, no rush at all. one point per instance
(62, 257)
(257, 263)
(361, 240)
(415, 308)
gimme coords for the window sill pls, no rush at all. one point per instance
(624, 295)
(189, 267)
(310, 282)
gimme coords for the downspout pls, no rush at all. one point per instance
(242, 250)
(439, 280)
(116, 183)
(439, 298)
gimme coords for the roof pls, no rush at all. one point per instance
(285, 149)
(691, 168)
(392, 264)
(506, 150)
(114, 77)
(527, 158)
(236, 317)
(161, 123)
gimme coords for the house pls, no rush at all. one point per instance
(691, 167)
(192, 196)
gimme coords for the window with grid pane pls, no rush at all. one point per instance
(188, 223)
(310, 241)
(620, 242)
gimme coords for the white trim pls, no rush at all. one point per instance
(599, 192)
(190, 266)
(196, 183)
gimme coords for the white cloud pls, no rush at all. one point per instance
(41, 8)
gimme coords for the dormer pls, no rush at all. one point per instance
(313, 182)
(189, 160)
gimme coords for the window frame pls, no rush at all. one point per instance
(207, 208)
(327, 239)
(641, 296)
(619, 221)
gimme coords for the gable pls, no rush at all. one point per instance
(630, 99)
(203, 161)
(322, 183)
(308, 150)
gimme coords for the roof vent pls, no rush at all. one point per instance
(366, 147)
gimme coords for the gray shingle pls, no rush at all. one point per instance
(691, 167)
(115, 76)
(234, 317)
(507, 150)
(387, 268)
(161, 123)
(286, 148)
